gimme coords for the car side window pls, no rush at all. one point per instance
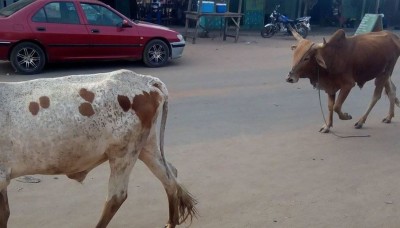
(100, 15)
(57, 12)
(40, 16)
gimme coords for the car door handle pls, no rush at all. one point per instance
(95, 31)
(41, 29)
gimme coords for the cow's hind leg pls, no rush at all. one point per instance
(379, 84)
(390, 90)
(181, 203)
(121, 168)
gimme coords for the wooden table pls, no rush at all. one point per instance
(227, 16)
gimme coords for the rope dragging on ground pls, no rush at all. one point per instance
(323, 116)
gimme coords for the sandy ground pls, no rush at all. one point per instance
(246, 145)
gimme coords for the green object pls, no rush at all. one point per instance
(211, 22)
(253, 14)
(255, 5)
(253, 19)
(370, 23)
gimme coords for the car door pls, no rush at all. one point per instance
(108, 38)
(58, 27)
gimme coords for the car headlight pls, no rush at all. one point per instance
(180, 37)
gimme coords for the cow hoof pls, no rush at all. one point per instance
(347, 116)
(324, 130)
(385, 120)
(358, 125)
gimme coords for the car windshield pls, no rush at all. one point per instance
(11, 9)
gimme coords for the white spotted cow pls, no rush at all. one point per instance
(72, 124)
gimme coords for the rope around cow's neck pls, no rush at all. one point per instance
(323, 115)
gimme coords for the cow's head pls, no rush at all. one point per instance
(309, 56)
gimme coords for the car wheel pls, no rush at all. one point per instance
(156, 53)
(28, 58)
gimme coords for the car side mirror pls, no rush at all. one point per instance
(125, 24)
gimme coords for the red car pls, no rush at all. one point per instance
(35, 32)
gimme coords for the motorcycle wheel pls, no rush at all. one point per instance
(268, 31)
(302, 30)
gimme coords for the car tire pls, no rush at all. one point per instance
(28, 58)
(156, 53)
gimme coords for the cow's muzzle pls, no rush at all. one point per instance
(291, 78)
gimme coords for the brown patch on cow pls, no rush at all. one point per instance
(86, 109)
(145, 106)
(86, 95)
(124, 102)
(44, 102)
(34, 108)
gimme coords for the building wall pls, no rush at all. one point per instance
(123, 7)
(352, 9)
(4, 3)
(391, 10)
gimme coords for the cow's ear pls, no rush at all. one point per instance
(293, 47)
(320, 59)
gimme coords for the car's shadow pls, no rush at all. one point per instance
(69, 68)
(90, 66)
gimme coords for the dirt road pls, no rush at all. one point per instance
(247, 146)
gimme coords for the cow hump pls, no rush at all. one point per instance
(338, 37)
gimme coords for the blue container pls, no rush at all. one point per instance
(207, 7)
(221, 7)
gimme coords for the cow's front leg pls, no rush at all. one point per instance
(4, 208)
(120, 167)
(328, 124)
(337, 107)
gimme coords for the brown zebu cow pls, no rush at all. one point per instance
(72, 124)
(343, 62)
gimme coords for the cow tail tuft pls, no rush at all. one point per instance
(186, 205)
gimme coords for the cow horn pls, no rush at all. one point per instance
(295, 34)
(324, 40)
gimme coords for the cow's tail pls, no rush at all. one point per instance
(162, 131)
(184, 201)
(161, 86)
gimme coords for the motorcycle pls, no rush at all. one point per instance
(280, 22)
